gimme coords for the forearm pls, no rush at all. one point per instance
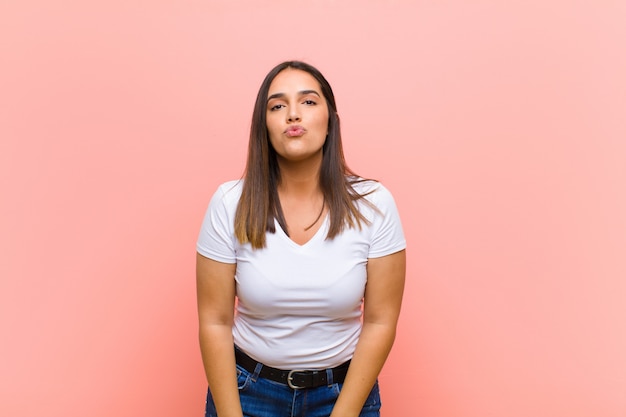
(369, 357)
(216, 344)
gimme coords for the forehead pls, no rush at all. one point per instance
(293, 80)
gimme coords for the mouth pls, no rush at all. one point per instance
(295, 131)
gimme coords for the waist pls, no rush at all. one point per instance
(295, 378)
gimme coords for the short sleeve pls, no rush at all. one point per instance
(217, 239)
(387, 234)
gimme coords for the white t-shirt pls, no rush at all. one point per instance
(300, 306)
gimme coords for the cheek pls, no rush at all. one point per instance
(272, 126)
(323, 123)
(272, 139)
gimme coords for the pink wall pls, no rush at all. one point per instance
(499, 126)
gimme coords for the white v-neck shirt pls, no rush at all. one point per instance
(300, 306)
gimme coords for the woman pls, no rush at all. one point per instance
(295, 242)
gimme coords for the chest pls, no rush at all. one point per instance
(322, 277)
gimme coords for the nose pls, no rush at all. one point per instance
(293, 115)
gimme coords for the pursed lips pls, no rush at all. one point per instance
(294, 131)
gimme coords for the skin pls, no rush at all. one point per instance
(295, 99)
(383, 297)
(215, 282)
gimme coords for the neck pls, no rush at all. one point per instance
(300, 178)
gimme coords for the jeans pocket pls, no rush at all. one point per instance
(243, 378)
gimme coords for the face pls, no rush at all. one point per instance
(297, 116)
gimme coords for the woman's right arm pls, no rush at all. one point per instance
(215, 282)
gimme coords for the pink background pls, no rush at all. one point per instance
(500, 127)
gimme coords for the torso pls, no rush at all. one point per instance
(300, 298)
(303, 218)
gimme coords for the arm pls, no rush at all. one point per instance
(383, 297)
(215, 283)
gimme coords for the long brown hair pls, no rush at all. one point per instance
(259, 204)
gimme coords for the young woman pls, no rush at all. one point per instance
(300, 266)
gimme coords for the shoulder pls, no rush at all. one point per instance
(373, 191)
(384, 227)
(229, 192)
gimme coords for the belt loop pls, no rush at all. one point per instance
(257, 371)
(329, 377)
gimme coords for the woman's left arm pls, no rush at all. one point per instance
(382, 301)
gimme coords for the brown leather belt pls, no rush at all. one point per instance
(296, 378)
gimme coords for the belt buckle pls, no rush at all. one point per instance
(290, 378)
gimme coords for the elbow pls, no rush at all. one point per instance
(383, 330)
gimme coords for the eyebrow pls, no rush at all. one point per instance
(300, 93)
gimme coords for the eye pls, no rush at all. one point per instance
(276, 107)
(309, 102)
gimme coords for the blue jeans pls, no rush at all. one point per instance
(262, 397)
